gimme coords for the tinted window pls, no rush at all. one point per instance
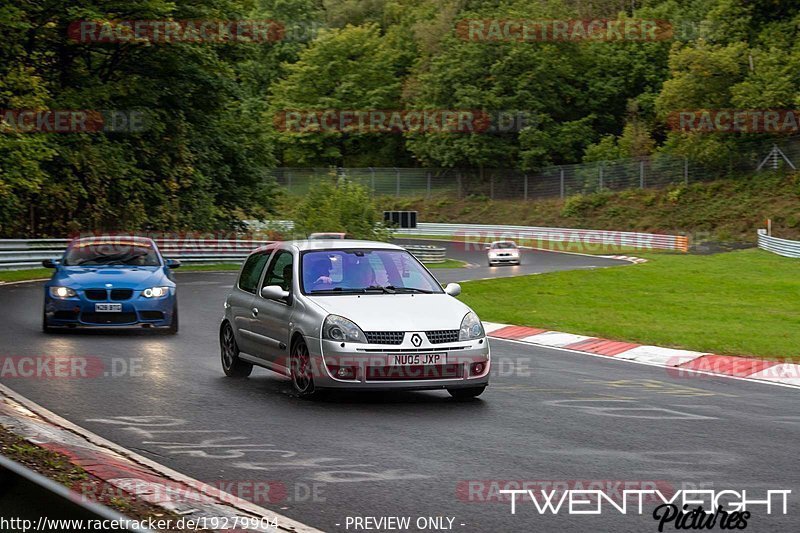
(504, 245)
(348, 271)
(251, 272)
(280, 271)
(111, 253)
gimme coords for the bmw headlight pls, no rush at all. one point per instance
(155, 292)
(62, 292)
(339, 329)
(471, 327)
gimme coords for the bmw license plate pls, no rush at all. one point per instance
(108, 308)
(416, 359)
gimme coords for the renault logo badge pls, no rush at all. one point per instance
(416, 340)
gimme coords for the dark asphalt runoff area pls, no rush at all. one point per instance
(550, 418)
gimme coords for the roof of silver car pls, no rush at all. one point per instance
(334, 244)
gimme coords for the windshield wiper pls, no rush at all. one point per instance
(386, 290)
(335, 290)
(413, 290)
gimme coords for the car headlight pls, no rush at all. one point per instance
(155, 292)
(339, 329)
(62, 292)
(471, 327)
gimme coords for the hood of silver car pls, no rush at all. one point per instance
(396, 312)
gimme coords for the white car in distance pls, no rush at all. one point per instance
(503, 253)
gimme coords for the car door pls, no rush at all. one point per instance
(241, 301)
(273, 316)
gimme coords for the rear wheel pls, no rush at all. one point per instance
(467, 393)
(229, 351)
(301, 370)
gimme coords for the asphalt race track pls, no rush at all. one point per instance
(548, 416)
(532, 261)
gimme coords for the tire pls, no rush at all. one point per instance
(491, 264)
(467, 393)
(229, 354)
(300, 370)
(173, 326)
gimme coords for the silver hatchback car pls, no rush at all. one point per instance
(349, 314)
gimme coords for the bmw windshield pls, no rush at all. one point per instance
(333, 272)
(111, 253)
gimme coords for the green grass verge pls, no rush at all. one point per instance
(448, 263)
(42, 273)
(737, 303)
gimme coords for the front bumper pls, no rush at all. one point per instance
(135, 312)
(504, 259)
(369, 365)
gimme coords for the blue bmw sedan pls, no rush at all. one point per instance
(111, 282)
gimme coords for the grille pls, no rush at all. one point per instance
(151, 315)
(442, 335)
(385, 337)
(108, 318)
(121, 294)
(65, 315)
(413, 373)
(96, 294)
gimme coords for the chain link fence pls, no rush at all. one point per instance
(656, 171)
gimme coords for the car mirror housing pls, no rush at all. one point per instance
(274, 292)
(49, 263)
(172, 263)
(453, 289)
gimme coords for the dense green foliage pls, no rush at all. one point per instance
(202, 160)
(343, 207)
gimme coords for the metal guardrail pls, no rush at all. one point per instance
(28, 496)
(783, 247)
(428, 253)
(481, 233)
(20, 253)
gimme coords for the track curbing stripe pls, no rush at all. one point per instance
(37, 423)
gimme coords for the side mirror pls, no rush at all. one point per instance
(274, 292)
(453, 289)
(49, 263)
(172, 263)
(487, 247)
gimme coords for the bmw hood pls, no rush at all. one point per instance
(396, 312)
(119, 278)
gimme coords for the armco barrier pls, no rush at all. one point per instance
(486, 232)
(783, 247)
(427, 254)
(20, 254)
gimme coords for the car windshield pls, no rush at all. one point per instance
(504, 245)
(364, 271)
(111, 253)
